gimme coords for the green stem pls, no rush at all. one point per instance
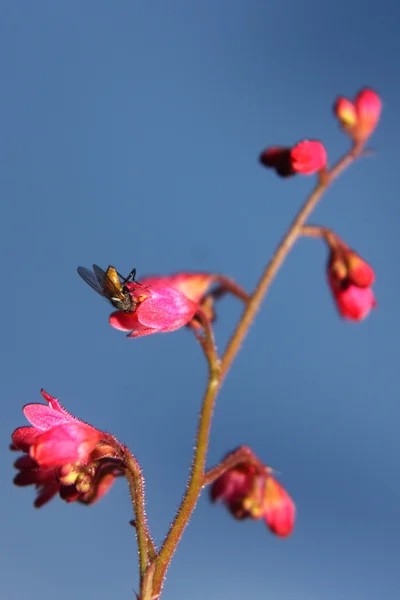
(197, 474)
(136, 487)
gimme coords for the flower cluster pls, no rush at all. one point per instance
(64, 455)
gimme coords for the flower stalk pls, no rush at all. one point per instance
(217, 373)
(62, 455)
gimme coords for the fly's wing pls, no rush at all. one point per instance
(92, 279)
(112, 275)
(109, 282)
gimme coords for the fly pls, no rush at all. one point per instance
(109, 285)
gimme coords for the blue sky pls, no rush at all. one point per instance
(130, 137)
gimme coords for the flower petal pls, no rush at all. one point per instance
(167, 310)
(279, 508)
(24, 437)
(43, 417)
(66, 443)
(192, 285)
(355, 303)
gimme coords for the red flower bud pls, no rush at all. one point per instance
(359, 119)
(350, 279)
(306, 157)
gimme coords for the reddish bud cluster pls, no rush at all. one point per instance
(251, 492)
(306, 157)
(359, 118)
(64, 455)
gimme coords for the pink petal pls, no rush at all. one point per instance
(279, 508)
(355, 303)
(66, 443)
(166, 310)
(43, 417)
(125, 321)
(192, 285)
(24, 437)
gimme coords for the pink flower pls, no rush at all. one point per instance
(359, 119)
(64, 455)
(158, 309)
(306, 157)
(350, 279)
(192, 285)
(248, 491)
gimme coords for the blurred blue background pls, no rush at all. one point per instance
(130, 135)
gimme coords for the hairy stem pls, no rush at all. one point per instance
(197, 473)
(136, 487)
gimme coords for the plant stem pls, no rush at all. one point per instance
(197, 473)
(229, 286)
(146, 586)
(218, 371)
(317, 231)
(136, 487)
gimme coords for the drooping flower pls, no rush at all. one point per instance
(64, 455)
(158, 309)
(306, 158)
(251, 492)
(350, 279)
(359, 119)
